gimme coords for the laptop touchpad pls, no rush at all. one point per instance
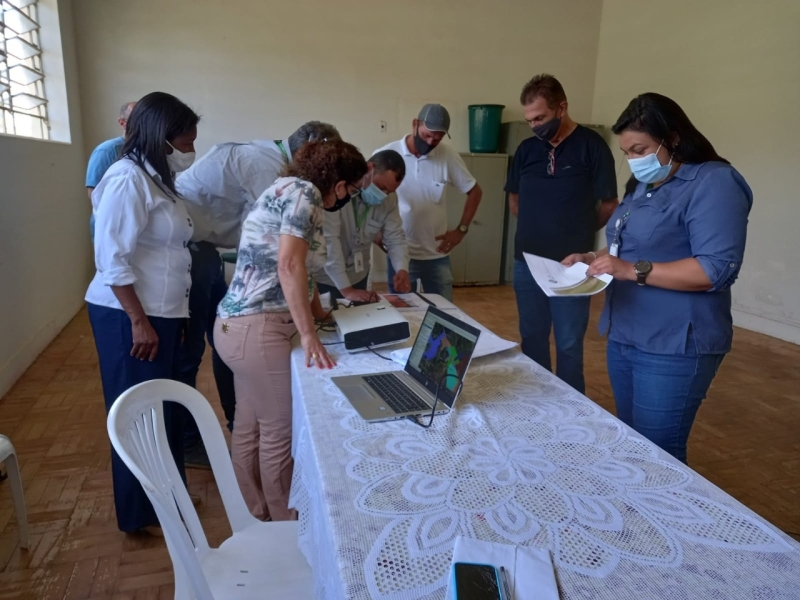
(359, 393)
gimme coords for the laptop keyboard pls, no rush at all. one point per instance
(395, 393)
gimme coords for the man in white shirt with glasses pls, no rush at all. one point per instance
(350, 233)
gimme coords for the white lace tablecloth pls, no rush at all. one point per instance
(524, 460)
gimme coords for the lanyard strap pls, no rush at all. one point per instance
(359, 222)
(279, 144)
(620, 224)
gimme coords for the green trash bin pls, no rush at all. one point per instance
(484, 127)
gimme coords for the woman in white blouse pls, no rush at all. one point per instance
(139, 297)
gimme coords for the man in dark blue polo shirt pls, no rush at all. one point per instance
(562, 187)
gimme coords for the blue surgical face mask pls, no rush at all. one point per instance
(373, 195)
(648, 169)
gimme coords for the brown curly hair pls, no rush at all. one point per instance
(327, 162)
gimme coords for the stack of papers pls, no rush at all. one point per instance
(557, 280)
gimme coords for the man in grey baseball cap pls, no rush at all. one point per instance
(430, 166)
(435, 118)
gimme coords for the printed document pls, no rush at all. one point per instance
(557, 280)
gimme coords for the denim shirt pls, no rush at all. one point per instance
(701, 212)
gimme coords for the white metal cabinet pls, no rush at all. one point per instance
(476, 260)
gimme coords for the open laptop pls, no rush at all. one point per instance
(440, 357)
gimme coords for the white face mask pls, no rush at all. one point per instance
(179, 161)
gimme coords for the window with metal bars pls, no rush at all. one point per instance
(23, 104)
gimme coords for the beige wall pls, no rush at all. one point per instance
(263, 68)
(733, 67)
(257, 69)
(45, 256)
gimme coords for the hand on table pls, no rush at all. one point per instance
(316, 352)
(401, 283)
(449, 240)
(355, 295)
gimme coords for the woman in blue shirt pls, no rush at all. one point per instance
(675, 247)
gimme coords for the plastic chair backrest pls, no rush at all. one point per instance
(6, 448)
(137, 432)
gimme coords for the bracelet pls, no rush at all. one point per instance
(594, 255)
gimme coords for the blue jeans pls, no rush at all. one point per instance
(568, 317)
(658, 395)
(119, 371)
(208, 289)
(436, 276)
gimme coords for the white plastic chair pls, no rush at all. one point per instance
(9, 456)
(260, 560)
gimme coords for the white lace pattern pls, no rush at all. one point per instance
(523, 460)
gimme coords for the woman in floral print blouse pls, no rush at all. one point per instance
(271, 298)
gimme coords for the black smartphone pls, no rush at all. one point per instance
(476, 582)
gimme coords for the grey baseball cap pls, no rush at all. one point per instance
(435, 117)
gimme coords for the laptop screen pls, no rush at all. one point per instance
(441, 353)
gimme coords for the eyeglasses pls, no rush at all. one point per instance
(551, 164)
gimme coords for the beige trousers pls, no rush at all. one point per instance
(257, 349)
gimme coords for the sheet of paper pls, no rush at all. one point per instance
(557, 280)
(488, 343)
(413, 302)
(530, 569)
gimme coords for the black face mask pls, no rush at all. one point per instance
(339, 203)
(547, 131)
(421, 145)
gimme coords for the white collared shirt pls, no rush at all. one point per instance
(343, 239)
(222, 186)
(141, 236)
(421, 195)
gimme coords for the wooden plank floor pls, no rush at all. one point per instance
(746, 440)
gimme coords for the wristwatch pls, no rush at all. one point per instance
(642, 269)
(463, 228)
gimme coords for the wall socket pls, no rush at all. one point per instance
(383, 126)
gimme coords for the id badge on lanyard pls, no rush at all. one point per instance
(358, 261)
(358, 257)
(613, 249)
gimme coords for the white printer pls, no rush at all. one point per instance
(370, 326)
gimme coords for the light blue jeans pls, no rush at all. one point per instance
(436, 276)
(658, 395)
